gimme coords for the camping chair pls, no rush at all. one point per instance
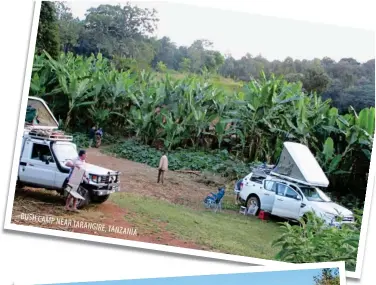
(215, 201)
(74, 182)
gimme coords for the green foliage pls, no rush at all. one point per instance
(161, 67)
(81, 140)
(122, 33)
(185, 64)
(251, 122)
(117, 30)
(300, 243)
(316, 79)
(69, 27)
(48, 33)
(219, 162)
(328, 276)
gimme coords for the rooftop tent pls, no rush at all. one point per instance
(298, 163)
(38, 114)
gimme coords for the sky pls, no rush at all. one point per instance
(288, 277)
(239, 33)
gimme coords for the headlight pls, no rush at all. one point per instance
(93, 178)
(330, 216)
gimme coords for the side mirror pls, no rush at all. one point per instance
(299, 198)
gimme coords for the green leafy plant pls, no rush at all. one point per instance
(214, 162)
(313, 241)
(190, 112)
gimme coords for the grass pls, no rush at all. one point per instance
(221, 232)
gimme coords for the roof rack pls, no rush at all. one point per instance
(51, 135)
(262, 171)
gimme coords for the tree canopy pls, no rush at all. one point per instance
(124, 35)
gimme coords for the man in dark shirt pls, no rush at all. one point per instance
(92, 135)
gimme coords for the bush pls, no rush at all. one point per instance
(313, 241)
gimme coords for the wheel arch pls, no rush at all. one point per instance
(253, 195)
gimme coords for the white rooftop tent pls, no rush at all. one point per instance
(45, 116)
(297, 163)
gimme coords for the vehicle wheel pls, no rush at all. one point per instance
(305, 219)
(100, 199)
(253, 200)
(19, 185)
(84, 193)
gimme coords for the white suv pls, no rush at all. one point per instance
(44, 154)
(291, 200)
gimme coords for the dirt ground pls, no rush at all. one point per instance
(178, 188)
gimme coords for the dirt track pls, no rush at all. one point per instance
(135, 178)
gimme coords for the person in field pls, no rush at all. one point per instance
(79, 163)
(163, 167)
(92, 135)
(98, 136)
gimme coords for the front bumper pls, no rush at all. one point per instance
(105, 189)
(340, 224)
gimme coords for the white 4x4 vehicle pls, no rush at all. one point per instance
(44, 154)
(291, 190)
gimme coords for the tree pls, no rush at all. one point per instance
(328, 276)
(115, 30)
(166, 51)
(48, 33)
(161, 67)
(69, 27)
(315, 79)
(185, 64)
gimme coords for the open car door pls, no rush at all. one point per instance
(287, 202)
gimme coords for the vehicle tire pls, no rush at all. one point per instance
(304, 218)
(86, 194)
(19, 185)
(253, 199)
(100, 199)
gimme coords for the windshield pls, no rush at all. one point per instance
(314, 194)
(65, 152)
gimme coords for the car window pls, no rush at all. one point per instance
(296, 189)
(41, 152)
(314, 194)
(291, 193)
(270, 185)
(280, 189)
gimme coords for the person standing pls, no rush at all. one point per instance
(92, 136)
(79, 163)
(163, 167)
(99, 136)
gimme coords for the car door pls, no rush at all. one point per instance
(267, 195)
(287, 202)
(38, 166)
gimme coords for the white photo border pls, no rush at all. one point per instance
(288, 267)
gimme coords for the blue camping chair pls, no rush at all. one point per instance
(214, 200)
